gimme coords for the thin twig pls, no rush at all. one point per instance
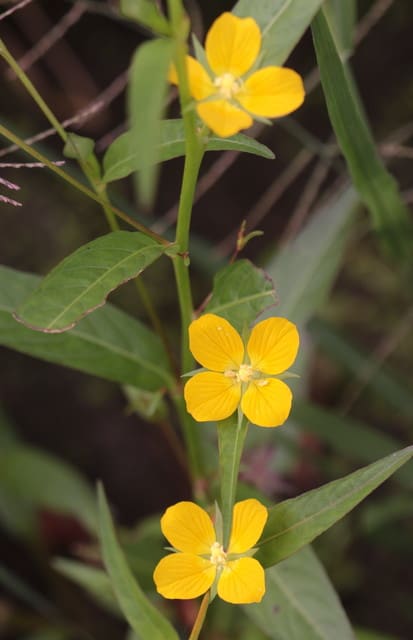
(9, 185)
(7, 200)
(308, 197)
(49, 39)
(392, 150)
(29, 165)
(103, 100)
(17, 7)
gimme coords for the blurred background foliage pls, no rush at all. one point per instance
(61, 430)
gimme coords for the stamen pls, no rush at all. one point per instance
(228, 86)
(218, 555)
(245, 373)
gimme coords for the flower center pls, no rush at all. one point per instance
(244, 374)
(228, 86)
(218, 555)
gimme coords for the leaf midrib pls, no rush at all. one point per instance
(106, 274)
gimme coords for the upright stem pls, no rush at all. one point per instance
(194, 151)
(181, 262)
(197, 628)
(231, 438)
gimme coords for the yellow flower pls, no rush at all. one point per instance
(200, 560)
(234, 379)
(229, 100)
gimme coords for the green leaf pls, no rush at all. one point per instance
(282, 23)
(107, 343)
(78, 147)
(300, 602)
(343, 19)
(123, 157)
(294, 523)
(39, 480)
(81, 148)
(231, 438)
(240, 293)
(95, 581)
(147, 13)
(83, 280)
(146, 102)
(376, 186)
(305, 267)
(142, 616)
(350, 438)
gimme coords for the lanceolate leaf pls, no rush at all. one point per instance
(38, 480)
(107, 343)
(124, 156)
(240, 293)
(343, 19)
(82, 282)
(282, 24)
(303, 271)
(146, 103)
(300, 602)
(376, 186)
(142, 616)
(146, 12)
(294, 523)
(361, 443)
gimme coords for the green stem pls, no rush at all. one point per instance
(26, 82)
(231, 438)
(194, 151)
(181, 262)
(78, 185)
(197, 628)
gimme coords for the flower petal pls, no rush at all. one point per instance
(232, 44)
(183, 576)
(273, 345)
(211, 396)
(215, 343)
(223, 118)
(188, 528)
(267, 403)
(200, 84)
(248, 521)
(242, 581)
(272, 92)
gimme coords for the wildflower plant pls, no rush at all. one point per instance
(221, 545)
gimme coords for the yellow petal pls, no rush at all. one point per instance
(248, 521)
(267, 403)
(232, 44)
(211, 396)
(242, 581)
(188, 528)
(200, 84)
(273, 345)
(215, 343)
(183, 576)
(272, 92)
(223, 118)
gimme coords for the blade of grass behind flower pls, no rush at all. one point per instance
(343, 17)
(376, 186)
